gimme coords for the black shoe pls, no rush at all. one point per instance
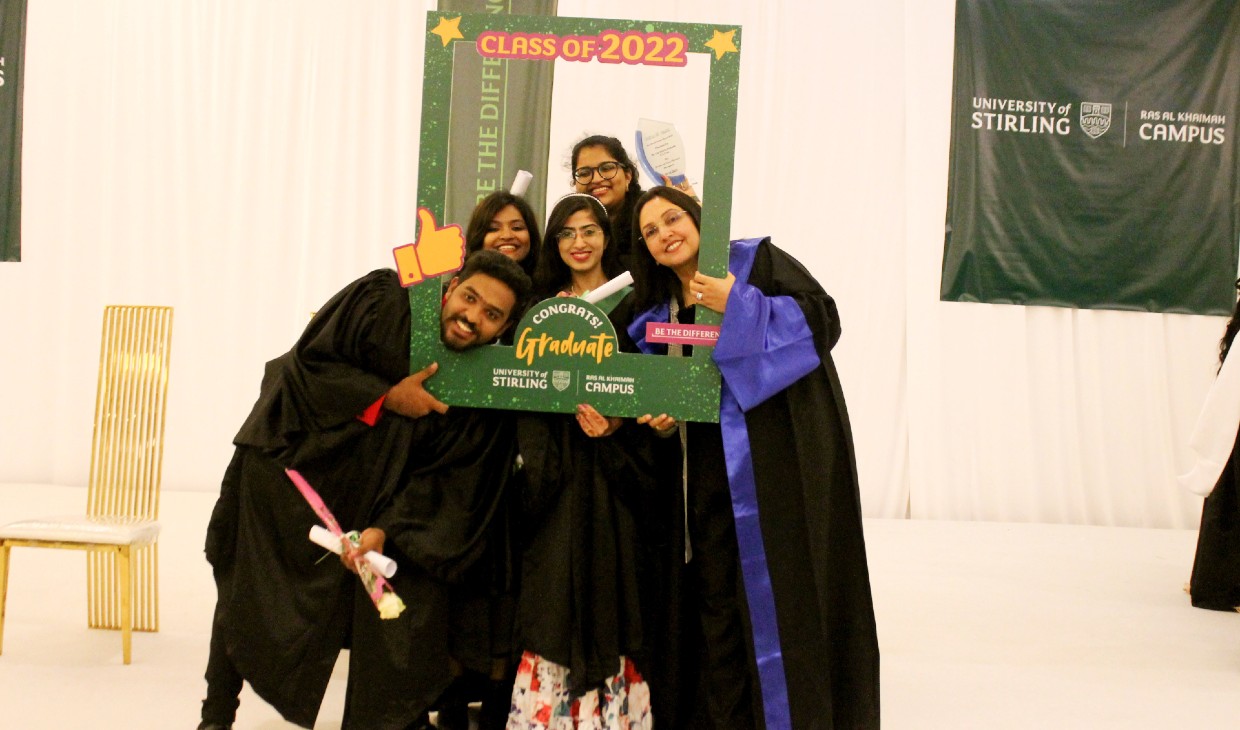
(204, 725)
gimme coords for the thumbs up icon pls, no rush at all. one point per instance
(437, 251)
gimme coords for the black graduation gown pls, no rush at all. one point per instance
(622, 231)
(806, 496)
(1215, 582)
(591, 530)
(433, 483)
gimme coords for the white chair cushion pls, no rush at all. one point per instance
(78, 528)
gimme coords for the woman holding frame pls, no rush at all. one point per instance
(774, 596)
(579, 254)
(592, 527)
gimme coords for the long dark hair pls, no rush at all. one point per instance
(485, 212)
(552, 273)
(1229, 334)
(621, 227)
(654, 284)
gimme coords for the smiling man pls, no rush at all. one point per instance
(479, 307)
(342, 409)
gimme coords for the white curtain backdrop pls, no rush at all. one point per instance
(242, 160)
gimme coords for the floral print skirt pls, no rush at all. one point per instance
(541, 700)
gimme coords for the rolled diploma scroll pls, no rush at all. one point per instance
(1214, 436)
(606, 290)
(323, 537)
(521, 183)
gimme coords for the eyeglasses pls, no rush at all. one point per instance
(670, 218)
(586, 233)
(607, 171)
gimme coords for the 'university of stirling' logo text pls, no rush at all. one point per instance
(1095, 118)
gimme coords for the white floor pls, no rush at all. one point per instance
(981, 625)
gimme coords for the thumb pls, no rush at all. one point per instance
(426, 222)
(425, 372)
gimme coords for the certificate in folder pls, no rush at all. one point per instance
(660, 151)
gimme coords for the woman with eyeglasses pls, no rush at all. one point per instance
(602, 168)
(590, 528)
(774, 594)
(506, 223)
(578, 254)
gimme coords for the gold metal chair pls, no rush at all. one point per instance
(119, 531)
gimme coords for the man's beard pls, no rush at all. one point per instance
(454, 346)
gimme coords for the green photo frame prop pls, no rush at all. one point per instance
(564, 349)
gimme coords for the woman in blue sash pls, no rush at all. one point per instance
(773, 625)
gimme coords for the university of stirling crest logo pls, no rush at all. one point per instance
(561, 379)
(1095, 118)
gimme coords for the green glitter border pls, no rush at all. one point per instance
(687, 388)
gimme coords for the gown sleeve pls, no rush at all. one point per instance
(765, 342)
(450, 491)
(1214, 435)
(350, 354)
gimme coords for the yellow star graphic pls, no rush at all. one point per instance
(722, 43)
(449, 30)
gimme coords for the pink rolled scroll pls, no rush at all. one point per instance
(379, 590)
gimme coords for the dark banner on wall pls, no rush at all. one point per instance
(1094, 155)
(12, 53)
(501, 117)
